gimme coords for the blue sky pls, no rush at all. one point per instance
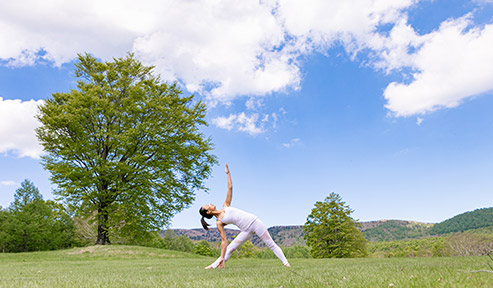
(387, 103)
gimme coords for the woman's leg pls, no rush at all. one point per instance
(237, 242)
(259, 228)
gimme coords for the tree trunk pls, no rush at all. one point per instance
(25, 241)
(103, 238)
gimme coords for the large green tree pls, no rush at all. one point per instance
(124, 146)
(331, 232)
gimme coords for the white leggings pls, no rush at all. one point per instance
(258, 228)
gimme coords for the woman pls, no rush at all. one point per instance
(248, 224)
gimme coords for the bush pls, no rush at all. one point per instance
(429, 247)
(203, 248)
(469, 244)
(296, 252)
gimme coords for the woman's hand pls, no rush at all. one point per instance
(221, 263)
(227, 169)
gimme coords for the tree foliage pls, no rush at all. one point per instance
(26, 194)
(331, 232)
(32, 224)
(125, 146)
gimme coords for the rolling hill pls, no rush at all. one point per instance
(476, 219)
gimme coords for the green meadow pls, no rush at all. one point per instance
(130, 266)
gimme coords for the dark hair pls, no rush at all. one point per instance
(203, 212)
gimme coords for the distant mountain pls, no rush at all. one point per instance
(287, 236)
(388, 230)
(198, 234)
(374, 231)
(478, 218)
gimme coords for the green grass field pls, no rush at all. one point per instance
(129, 266)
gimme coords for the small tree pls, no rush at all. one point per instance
(26, 194)
(34, 224)
(331, 232)
(247, 250)
(182, 243)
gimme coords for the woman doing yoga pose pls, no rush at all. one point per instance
(248, 224)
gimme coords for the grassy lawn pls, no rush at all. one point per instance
(127, 266)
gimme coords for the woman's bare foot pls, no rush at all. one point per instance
(287, 265)
(209, 267)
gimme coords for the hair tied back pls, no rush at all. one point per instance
(204, 223)
(203, 212)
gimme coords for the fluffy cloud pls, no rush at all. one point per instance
(323, 23)
(17, 124)
(245, 123)
(452, 64)
(221, 49)
(57, 30)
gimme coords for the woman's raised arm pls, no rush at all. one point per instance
(229, 194)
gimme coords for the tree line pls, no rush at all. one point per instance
(33, 224)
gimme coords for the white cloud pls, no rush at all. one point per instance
(8, 183)
(293, 142)
(242, 122)
(322, 23)
(225, 122)
(391, 52)
(17, 124)
(248, 124)
(453, 64)
(222, 49)
(57, 30)
(253, 103)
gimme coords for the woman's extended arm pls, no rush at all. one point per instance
(224, 242)
(229, 194)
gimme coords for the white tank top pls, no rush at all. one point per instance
(238, 217)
